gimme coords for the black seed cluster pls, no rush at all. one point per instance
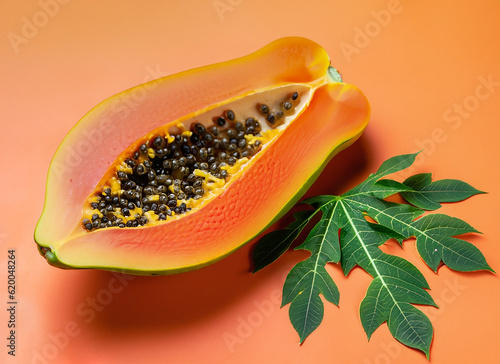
(275, 117)
(163, 172)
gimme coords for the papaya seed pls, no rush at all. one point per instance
(185, 149)
(214, 167)
(140, 169)
(158, 142)
(242, 143)
(229, 114)
(208, 138)
(271, 118)
(199, 128)
(220, 121)
(203, 154)
(201, 144)
(263, 108)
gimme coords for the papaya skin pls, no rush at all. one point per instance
(335, 117)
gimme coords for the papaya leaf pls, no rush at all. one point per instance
(435, 243)
(427, 195)
(434, 233)
(350, 232)
(392, 165)
(309, 278)
(396, 284)
(388, 187)
(271, 246)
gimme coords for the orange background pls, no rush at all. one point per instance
(420, 63)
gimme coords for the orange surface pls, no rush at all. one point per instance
(431, 70)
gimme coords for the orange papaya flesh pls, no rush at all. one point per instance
(259, 190)
(211, 157)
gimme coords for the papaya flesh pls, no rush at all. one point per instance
(133, 189)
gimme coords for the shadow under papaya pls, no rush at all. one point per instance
(169, 303)
(345, 170)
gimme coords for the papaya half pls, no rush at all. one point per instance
(177, 173)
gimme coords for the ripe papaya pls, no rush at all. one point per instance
(177, 173)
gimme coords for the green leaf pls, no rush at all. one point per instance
(320, 200)
(418, 181)
(309, 278)
(411, 327)
(324, 238)
(392, 165)
(427, 195)
(396, 283)
(396, 217)
(435, 243)
(271, 246)
(351, 230)
(388, 187)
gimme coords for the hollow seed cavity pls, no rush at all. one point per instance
(162, 174)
